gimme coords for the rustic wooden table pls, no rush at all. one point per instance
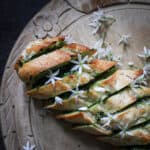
(14, 17)
(22, 119)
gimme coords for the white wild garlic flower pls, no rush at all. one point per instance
(146, 53)
(100, 20)
(77, 93)
(53, 77)
(117, 58)
(144, 79)
(28, 146)
(146, 70)
(130, 64)
(123, 129)
(124, 40)
(80, 64)
(58, 100)
(123, 133)
(103, 52)
(141, 80)
(107, 120)
(98, 44)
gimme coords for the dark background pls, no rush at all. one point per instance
(14, 15)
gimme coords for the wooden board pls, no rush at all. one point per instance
(23, 119)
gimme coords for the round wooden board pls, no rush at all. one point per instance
(23, 119)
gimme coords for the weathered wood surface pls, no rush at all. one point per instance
(141, 1)
(23, 119)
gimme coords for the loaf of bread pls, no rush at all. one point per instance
(90, 93)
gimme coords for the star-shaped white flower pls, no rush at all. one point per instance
(103, 52)
(146, 70)
(117, 58)
(123, 129)
(58, 100)
(95, 21)
(80, 64)
(107, 120)
(77, 93)
(98, 44)
(52, 77)
(146, 53)
(143, 79)
(28, 146)
(99, 20)
(99, 50)
(124, 39)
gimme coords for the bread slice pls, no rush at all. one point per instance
(125, 98)
(125, 117)
(78, 118)
(94, 129)
(131, 116)
(117, 81)
(50, 60)
(41, 44)
(121, 100)
(39, 47)
(109, 106)
(70, 82)
(136, 136)
(71, 104)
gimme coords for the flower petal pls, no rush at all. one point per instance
(74, 62)
(57, 78)
(56, 73)
(48, 81)
(76, 67)
(86, 66)
(80, 70)
(58, 100)
(83, 108)
(84, 59)
(79, 58)
(99, 89)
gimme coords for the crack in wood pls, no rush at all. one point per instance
(67, 1)
(68, 9)
(4, 100)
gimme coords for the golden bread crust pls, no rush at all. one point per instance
(42, 63)
(101, 65)
(44, 44)
(77, 117)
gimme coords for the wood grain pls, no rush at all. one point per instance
(140, 1)
(23, 119)
(112, 2)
